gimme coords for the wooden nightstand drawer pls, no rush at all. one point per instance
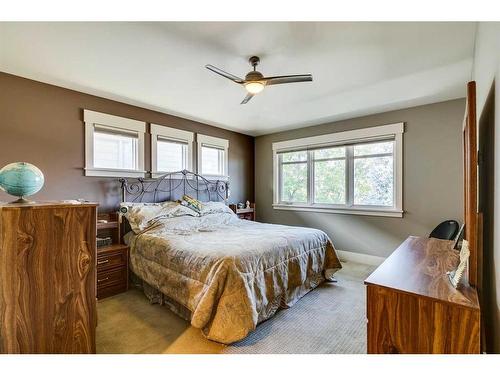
(112, 259)
(112, 270)
(111, 282)
(115, 276)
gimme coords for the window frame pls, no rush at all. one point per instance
(177, 135)
(347, 138)
(220, 143)
(94, 119)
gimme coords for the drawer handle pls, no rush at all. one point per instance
(99, 281)
(103, 262)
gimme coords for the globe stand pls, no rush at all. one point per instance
(21, 200)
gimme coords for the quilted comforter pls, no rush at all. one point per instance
(231, 274)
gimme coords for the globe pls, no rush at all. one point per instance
(21, 179)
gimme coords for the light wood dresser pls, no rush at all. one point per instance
(47, 278)
(412, 306)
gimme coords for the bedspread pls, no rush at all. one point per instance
(231, 274)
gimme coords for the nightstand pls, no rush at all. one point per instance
(244, 213)
(112, 260)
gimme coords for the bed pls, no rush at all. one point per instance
(223, 274)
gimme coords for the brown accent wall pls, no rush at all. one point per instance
(43, 124)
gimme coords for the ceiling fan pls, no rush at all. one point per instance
(255, 82)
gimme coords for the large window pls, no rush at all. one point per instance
(357, 172)
(212, 156)
(329, 166)
(114, 146)
(114, 149)
(373, 173)
(171, 150)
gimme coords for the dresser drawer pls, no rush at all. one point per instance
(112, 270)
(114, 276)
(111, 260)
(113, 281)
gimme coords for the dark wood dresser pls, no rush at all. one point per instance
(412, 306)
(112, 270)
(112, 260)
(47, 278)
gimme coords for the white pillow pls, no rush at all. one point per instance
(181, 210)
(168, 213)
(214, 208)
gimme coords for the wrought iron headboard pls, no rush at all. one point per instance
(171, 186)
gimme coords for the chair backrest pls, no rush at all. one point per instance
(447, 230)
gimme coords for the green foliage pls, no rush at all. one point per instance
(329, 153)
(373, 175)
(374, 148)
(294, 156)
(373, 180)
(294, 180)
(329, 182)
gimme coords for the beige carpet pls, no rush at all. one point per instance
(329, 319)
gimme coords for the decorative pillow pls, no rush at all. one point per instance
(139, 214)
(192, 203)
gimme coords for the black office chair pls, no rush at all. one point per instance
(447, 230)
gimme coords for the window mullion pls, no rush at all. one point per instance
(350, 175)
(310, 177)
(395, 177)
(280, 178)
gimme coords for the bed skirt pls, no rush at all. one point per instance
(155, 296)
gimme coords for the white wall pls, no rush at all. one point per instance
(486, 66)
(486, 72)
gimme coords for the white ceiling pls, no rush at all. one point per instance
(358, 68)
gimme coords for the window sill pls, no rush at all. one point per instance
(102, 172)
(175, 176)
(215, 177)
(347, 211)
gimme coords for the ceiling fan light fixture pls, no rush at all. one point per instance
(255, 81)
(254, 87)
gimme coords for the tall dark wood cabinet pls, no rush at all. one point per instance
(47, 278)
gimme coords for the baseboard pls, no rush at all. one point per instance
(349, 256)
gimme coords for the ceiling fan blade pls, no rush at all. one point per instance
(224, 74)
(287, 79)
(247, 98)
